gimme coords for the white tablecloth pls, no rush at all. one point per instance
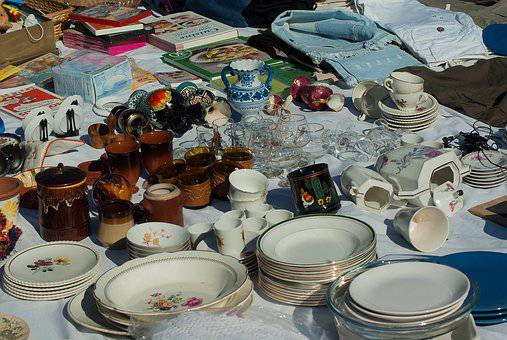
(48, 320)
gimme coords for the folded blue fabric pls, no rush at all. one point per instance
(495, 38)
(351, 43)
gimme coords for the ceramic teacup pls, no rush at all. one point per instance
(448, 198)
(200, 232)
(426, 229)
(247, 185)
(258, 211)
(367, 188)
(239, 155)
(408, 101)
(404, 83)
(411, 139)
(233, 214)
(230, 237)
(246, 205)
(278, 215)
(254, 227)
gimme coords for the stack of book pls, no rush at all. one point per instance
(107, 28)
(330, 4)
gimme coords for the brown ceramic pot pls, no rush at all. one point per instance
(100, 135)
(240, 155)
(220, 177)
(200, 159)
(156, 150)
(94, 170)
(195, 188)
(10, 189)
(116, 218)
(168, 173)
(163, 202)
(63, 203)
(123, 158)
(111, 187)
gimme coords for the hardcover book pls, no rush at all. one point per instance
(176, 78)
(185, 30)
(101, 29)
(208, 61)
(22, 100)
(109, 14)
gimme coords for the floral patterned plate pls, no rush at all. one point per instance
(13, 328)
(387, 105)
(52, 264)
(174, 282)
(153, 235)
(485, 161)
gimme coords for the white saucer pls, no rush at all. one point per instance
(388, 106)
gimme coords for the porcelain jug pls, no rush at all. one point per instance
(248, 95)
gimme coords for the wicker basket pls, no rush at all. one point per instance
(89, 3)
(57, 12)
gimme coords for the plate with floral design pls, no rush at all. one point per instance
(52, 264)
(13, 328)
(487, 160)
(387, 105)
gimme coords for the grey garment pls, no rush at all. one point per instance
(482, 15)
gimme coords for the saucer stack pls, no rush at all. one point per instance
(422, 117)
(156, 237)
(488, 169)
(148, 288)
(51, 271)
(299, 258)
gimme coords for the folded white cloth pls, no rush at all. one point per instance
(434, 35)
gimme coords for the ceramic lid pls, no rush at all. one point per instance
(9, 187)
(60, 176)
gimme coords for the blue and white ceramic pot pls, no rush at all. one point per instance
(248, 95)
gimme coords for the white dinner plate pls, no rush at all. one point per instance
(410, 288)
(83, 311)
(413, 125)
(316, 240)
(52, 264)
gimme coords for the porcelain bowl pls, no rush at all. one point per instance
(247, 185)
(153, 235)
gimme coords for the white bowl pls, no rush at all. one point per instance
(247, 185)
(157, 235)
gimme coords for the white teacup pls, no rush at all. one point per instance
(448, 198)
(199, 232)
(408, 101)
(254, 227)
(233, 214)
(404, 83)
(246, 205)
(411, 139)
(426, 229)
(278, 215)
(258, 211)
(367, 188)
(247, 185)
(230, 237)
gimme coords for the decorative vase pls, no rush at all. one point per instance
(248, 95)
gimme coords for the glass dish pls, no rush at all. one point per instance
(344, 320)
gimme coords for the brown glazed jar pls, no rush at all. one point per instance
(156, 150)
(220, 177)
(63, 203)
(196, 189)
(163, 202)
(116, 218)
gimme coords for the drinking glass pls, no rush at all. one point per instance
(264, 139)
(311, 134)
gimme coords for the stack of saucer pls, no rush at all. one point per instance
(249, 260)
(156, 237)
(299, 258)
(51, 271)
(488, 169)
(423, 116)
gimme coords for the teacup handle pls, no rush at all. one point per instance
(388, 84)
(224, 77)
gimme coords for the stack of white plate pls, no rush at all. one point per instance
(161, 284)
(51, 271)
(298, 258)
(488, 169)
(406, 294)
(156, 237)
(422, 117)
(249, 260)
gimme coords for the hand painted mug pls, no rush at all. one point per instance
(230, 237)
